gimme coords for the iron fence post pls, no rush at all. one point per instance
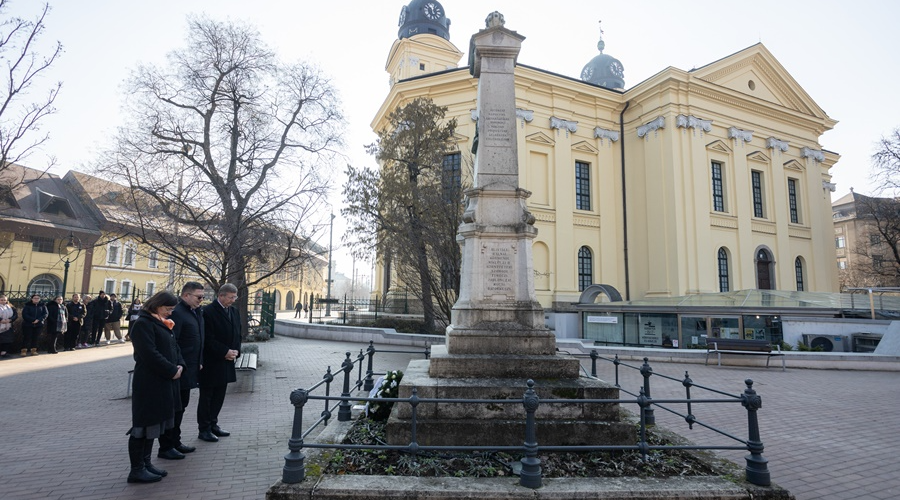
(328, 378)
(359, 378)
(757, 465)
(646, 372)
(687, 383)
(594, 356)
(414, 440)
(294, 470)
(369, 383)
(531, 464)
(616, 363)
(344, 407)
(644, 403)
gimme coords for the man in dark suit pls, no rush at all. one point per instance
(222, 344)
(188, 332)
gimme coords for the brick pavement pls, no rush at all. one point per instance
(829, 434)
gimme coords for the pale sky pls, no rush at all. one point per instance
(842, 53)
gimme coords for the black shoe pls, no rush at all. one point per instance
(152, 469)
(142, 475)
(170, 454)
(208, 436)
(183, 448)
(219, 432)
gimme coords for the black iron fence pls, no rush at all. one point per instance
(355, 311)
(756, 465)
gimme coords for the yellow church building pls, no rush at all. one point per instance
(708, 180)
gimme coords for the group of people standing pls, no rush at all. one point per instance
(78, 324)
(179, 346)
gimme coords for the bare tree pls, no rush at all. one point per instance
(20, 115)
(411, 209)
(886, 162)
(878, 245)
(227, 156)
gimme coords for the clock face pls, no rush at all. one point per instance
(403, 15)
(587, 73)
(616, 69)
(432, 10)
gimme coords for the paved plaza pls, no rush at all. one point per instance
(828, 434)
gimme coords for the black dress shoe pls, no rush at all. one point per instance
(170, 454)
(218, 431)
(208, 436)
(183, 448)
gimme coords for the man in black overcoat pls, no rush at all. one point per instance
(221, 346)
(188, 332)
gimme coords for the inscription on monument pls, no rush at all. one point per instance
(499, 269)
(496, 126)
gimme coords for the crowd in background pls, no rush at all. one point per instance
(55, 325)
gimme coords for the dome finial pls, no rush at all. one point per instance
(601, 44)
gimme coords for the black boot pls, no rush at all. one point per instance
(148, 451)
(139, 472)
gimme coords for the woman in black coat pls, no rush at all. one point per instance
(155, 387)
(34, 314)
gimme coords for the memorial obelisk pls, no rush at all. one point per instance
(497, 339)
(497, 325)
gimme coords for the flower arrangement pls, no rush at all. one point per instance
(387, 386)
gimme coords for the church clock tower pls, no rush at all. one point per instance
(423, 42)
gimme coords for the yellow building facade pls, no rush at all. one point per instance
(689, 182)
(65, 234)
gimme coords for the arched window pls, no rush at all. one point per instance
(585, 268)
(798, 272)
(764, 270)
(723, 270)
(45, 285)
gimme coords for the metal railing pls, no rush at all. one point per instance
(756, 469)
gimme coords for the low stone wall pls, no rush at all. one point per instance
(793, 359)
(381, 336)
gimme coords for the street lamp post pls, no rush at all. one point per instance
(328, 294)
(70, 246)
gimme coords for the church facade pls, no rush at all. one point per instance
(699, 181)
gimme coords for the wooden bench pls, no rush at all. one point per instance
(740, 346)
(246, 362)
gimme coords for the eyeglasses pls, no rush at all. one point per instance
(201, 296)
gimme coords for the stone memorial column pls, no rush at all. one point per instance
(497, 312)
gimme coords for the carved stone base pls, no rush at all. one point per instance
(444, 365)
(504, 424)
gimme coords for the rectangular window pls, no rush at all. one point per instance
(125, 292)
(839, 242)
(877, 261)
(842, 263)
(129, 255)
(874, 239)
(792, 200)
(151, 288)
(112, 253)
(43, 244)
(171, 263)
(109, 286)
(153, 259)
(757, 194)
(718, 192)
(582, 186)
(451, 178)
